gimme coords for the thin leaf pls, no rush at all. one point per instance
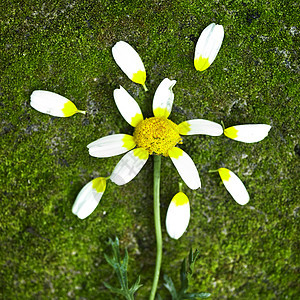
(136, 286)
(197, 295)
(186, 272)
(192, 259)
(183, 277)
(110, 261)
(113, 289)
(191, 256)
(124, 268)
(159, 297)
(120, 268)
(170, 286)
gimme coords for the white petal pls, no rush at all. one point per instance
(129, 166)
(185, 167)
(128, 107)
(163, 98)
(200, 126)
(52, 104)
(249, 133)
(234, 186)
(129, 61)
(208, 46)
(89, 197)
(111, 145)
(178, 216)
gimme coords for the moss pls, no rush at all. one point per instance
(247, 252)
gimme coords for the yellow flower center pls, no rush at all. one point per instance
(157, 134)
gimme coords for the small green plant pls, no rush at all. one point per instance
(120, 268)
(186, 272)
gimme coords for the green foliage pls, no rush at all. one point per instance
(186, 272)
(120, 268)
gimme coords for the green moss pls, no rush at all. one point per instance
(247, 252)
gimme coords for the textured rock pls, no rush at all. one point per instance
(247, 252)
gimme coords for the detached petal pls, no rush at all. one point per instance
(53, 104)
(111, 145)
(89, 197)
(200, 126)
(178, 216)
(128, 107)
(249, 133)
(129, 61)
(129, 166)
(185, 167)
(208, 46)
(163, 98)
(234, 186)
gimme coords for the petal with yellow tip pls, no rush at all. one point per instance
(208, 46)
(129, 61)
(163, 98)
(53, 104)
(234, 186)
(128, 107)
(200, 126)
(248, 133)
(178, 216)
(185, 167)
(129, 166)
(111, 145)
(89, 197)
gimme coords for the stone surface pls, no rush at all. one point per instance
(249, 252)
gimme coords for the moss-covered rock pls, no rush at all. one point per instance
(249, 252)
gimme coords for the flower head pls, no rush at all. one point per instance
(155, 135)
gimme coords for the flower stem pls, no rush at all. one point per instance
(145, 88)
(81, 111)
(180, 186)
(157, 163)
(222, 123)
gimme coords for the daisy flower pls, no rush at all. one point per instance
(157, 135)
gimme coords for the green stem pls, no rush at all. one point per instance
(81, 111)
(180, 186)
(157, 163)
(145, 88)
(222, 123)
